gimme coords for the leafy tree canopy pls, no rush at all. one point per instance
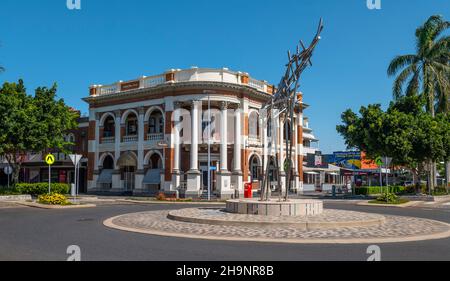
(32, 123)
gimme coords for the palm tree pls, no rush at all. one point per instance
(426, 73)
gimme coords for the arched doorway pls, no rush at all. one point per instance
(154, 168)
(127, 163)
(106, 170)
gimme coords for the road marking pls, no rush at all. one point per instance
(446, 204)
(429, 203)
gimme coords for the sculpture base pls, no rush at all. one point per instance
(274, 207)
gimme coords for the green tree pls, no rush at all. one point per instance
(427, 72)
(32, 123)
(404, 132)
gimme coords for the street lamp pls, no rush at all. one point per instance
(209, 142)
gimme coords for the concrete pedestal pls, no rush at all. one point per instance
(238, 183)
(224, 185)
(294, 207)
(193, 183)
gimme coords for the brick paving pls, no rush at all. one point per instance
(328, 218)
(395, 229)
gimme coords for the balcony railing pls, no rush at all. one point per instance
(106, 140)
(133, 138)
(187, 75)
(155, 136)
(253, 141)
(256, 84)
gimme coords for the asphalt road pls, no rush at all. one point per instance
(37, 234)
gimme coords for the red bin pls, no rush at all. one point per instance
(248, 190)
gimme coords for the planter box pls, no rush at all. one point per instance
(6, 198)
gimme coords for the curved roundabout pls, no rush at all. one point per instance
(328, 226)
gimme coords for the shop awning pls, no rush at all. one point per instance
(105, 176)
(311, 173)
(153, 176)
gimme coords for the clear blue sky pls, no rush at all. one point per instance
(110, 40)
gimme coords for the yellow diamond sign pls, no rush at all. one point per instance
(50, 159)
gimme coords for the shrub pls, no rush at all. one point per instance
(36, 189)
(388, 198)
(53, 199)
(367, 190)
(9, 191)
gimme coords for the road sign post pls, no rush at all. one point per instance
(49, 159)
(76, 161)
(8, 171)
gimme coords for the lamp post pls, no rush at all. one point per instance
(209, 142)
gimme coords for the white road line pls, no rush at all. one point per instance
(446, 204)
(429, 203)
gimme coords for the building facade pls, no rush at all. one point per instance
(152, 134)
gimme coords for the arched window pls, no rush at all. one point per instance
(108, 127)
(131, 125)
(156, 123)
(272, 170)
(253, 125)
(254, 168)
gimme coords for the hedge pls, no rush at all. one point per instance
(42, 188)
(367, 190)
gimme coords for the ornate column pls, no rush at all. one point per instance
(237, 179)
(116, 183)
(139, 176)
(223, 177)
(193, 175)
(96, 149)
(92, 148)
(176, 175)
(223, 137)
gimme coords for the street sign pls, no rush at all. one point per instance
(213, 168)
(50, 159)
(379, 161)
(75, 158)
(8, 170)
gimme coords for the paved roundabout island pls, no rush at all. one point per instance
(240, 224)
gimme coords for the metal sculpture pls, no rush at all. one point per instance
(283, 103)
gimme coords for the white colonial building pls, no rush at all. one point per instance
(151, 134)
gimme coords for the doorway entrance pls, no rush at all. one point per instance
(204, 171)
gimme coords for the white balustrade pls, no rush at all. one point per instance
(154, 81)
(132, 138)
(256, 84)
(155, 137)
(108, 140)
(110, 89)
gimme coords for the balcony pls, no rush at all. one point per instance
(132, 138)
(253, 141)
(155, 137)
(106, 140)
